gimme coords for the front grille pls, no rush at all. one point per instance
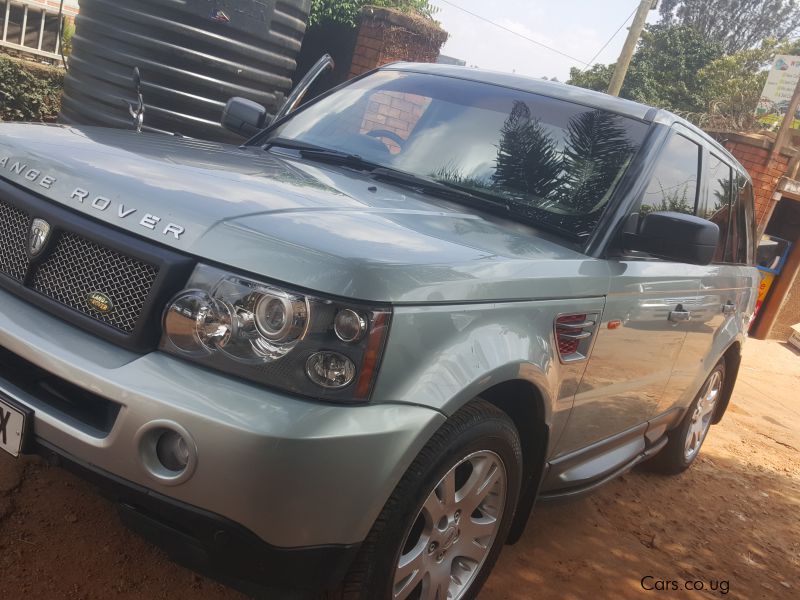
(75, 268)
(14, 226)
(78, 267)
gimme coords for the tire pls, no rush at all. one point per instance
(686, 439)
(477, 444)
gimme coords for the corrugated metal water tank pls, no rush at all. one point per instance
(193, 56)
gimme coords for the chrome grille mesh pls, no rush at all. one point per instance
(78, 267)
(74, 268)
(14, 226)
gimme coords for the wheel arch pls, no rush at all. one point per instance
(525, 405)
(733, 360)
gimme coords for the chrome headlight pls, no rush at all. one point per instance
(323, 348)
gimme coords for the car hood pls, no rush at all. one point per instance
(320, 227)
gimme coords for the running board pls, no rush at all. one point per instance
(572, 493)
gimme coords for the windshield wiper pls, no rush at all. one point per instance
(450, 191)
(411, 180)
(378, 171)
(319, 153)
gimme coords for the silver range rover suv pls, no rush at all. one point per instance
(350, 355)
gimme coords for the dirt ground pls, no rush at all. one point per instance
(731, 522)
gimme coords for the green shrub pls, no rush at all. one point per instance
(29, 91)
(346, 11)
(66, 36)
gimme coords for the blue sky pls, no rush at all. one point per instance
(576, 27)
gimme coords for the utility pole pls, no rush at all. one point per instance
(786, 124)
(624, 60)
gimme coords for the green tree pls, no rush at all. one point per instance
(736, 24)
(66, 36)
(597, 78)
(671, 200)
(720, 93)
(732, 84)
(346, 11)
(664, 70)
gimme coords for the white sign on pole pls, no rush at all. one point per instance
(778, 91)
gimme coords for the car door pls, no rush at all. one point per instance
(643, 325)
(726, 299)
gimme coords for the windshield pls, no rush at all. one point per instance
(540, 160)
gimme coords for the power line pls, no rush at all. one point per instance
(524, 37)
(613, 35)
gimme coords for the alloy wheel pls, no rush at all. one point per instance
(702, 416)
(454, 531)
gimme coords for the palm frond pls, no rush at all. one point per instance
(596, 149)
(527, 156)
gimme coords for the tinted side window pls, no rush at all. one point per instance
(748, 224)
(738, 251)
(674, 183)
(716, 206)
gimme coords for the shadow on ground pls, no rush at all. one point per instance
(720, 522)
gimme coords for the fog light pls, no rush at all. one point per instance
(330, 369)
(167, 451)
(349, 326)
(172, 451)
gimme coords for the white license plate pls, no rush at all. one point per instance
(12, 428)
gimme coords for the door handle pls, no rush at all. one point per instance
(679, 314)
(728, 308)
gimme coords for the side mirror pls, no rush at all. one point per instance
(675, 236)
(244, 117)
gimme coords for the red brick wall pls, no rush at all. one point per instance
(395, 112)
(387, 35)
(70, 6)
(754, 156)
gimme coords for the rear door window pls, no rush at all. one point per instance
(737, 251)
(716, 206)
(747, 225)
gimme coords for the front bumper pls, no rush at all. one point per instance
(295, 473)
(214, 545)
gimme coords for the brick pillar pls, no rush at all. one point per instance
(387, 35)
(753, 150)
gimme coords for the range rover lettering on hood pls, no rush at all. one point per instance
(149, 221)
(29, 173)
(101, 203)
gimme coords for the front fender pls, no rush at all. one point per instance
(443, 356)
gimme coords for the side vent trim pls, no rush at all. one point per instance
(574, 334)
